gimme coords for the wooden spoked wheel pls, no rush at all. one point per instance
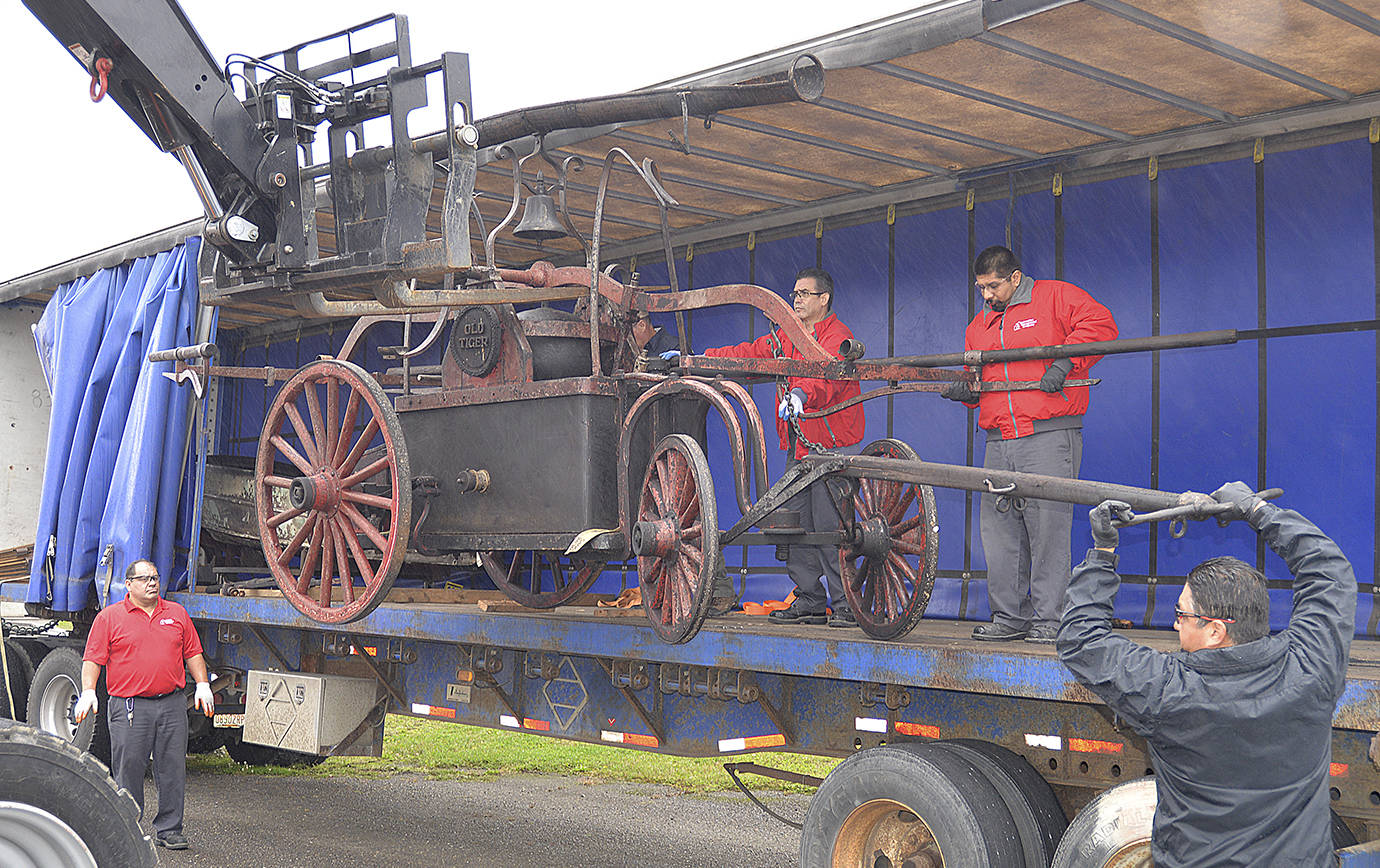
(889, 559)
(676, 539)
(540, 580)
(334, 535)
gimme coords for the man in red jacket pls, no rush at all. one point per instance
(1033, 431)
(813, 298)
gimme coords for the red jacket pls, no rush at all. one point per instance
(1056, 313)
(843, 428)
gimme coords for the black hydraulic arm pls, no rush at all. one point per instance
(162, 75)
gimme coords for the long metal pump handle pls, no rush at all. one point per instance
(1014, 485)
(1063, 351)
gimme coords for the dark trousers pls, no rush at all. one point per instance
(158, 727)
(1027, 550)
(806, 564)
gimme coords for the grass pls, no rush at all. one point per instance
(448, 751)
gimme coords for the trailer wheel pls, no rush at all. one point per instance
(918, 804)
(676, 538)
(56, 686)
(59, 807)
(1032, 802)
(245, 753)
(356, 519)
(21, 669)
(540, 580)
(888, 564)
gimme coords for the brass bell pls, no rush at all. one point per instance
(539, 221)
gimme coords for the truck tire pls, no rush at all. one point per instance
(1114, 829)
(1033, 805)
(59, 807)
(21, 669)
(56, 686)
(262, 755)
(921, 803)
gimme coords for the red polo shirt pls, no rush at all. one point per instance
(143, 654)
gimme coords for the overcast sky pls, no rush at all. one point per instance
(80, 176)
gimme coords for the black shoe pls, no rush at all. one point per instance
(796, 614)
(172, 840)
(995, 632)
(1043, 634)
(842, 617)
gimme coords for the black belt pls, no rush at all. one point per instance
(158, 696)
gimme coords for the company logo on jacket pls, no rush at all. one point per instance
(1024, 324)
(167, 622)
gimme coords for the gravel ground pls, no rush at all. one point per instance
(247, 821)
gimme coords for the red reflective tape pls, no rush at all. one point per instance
(921, 729)
(1336, 770)
(639, 739)
(1089, 745)
(528, 723)
(774, 740)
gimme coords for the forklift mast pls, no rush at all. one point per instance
(252, 155)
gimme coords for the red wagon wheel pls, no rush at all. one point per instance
(676, 539)
(335, 542)
(540, 579)
(888, 563)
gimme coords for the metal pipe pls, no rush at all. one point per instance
(803, 82)
(1011, 484)
(1064, 351)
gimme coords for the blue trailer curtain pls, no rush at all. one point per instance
(117, 442)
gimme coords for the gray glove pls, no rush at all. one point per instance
(1055, 374)
(1104, 532)
(960, 390)
(1243, 499)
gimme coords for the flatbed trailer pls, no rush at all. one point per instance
(602, 676)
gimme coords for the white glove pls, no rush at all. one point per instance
(793, 404)
(86, 704)
(204, 700)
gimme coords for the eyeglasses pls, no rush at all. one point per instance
(991, 287)
(800, 293)
(143, 578)
(1180, 614)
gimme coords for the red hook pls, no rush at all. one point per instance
(98, 82)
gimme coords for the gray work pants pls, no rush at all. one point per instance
(157, 727)
(1027, 550)
(806, 564)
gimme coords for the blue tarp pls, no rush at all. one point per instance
(118, 433)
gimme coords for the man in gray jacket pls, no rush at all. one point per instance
(1239, 723)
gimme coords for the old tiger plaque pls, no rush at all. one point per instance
(475, 340)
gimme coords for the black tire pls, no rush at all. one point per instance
(69, 795)
(899, 801)
(21, 670)
(1039, 795)
(262, 755)
(56, 686)
(1116, 824)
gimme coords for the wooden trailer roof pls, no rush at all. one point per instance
(941, 99)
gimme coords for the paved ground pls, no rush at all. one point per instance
(248, 821)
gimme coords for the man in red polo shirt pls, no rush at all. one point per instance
(147, 644)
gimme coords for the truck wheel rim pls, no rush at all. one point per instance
(55, 707)
(28, 832)
(886, 828)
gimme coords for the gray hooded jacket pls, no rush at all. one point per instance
(1240, 737)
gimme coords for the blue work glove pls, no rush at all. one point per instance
(1245, 502)
(1055, 374)
(1101, 517)
(960, 390)
(792, 405)
(670, 354)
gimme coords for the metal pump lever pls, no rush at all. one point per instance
(1200, 506)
